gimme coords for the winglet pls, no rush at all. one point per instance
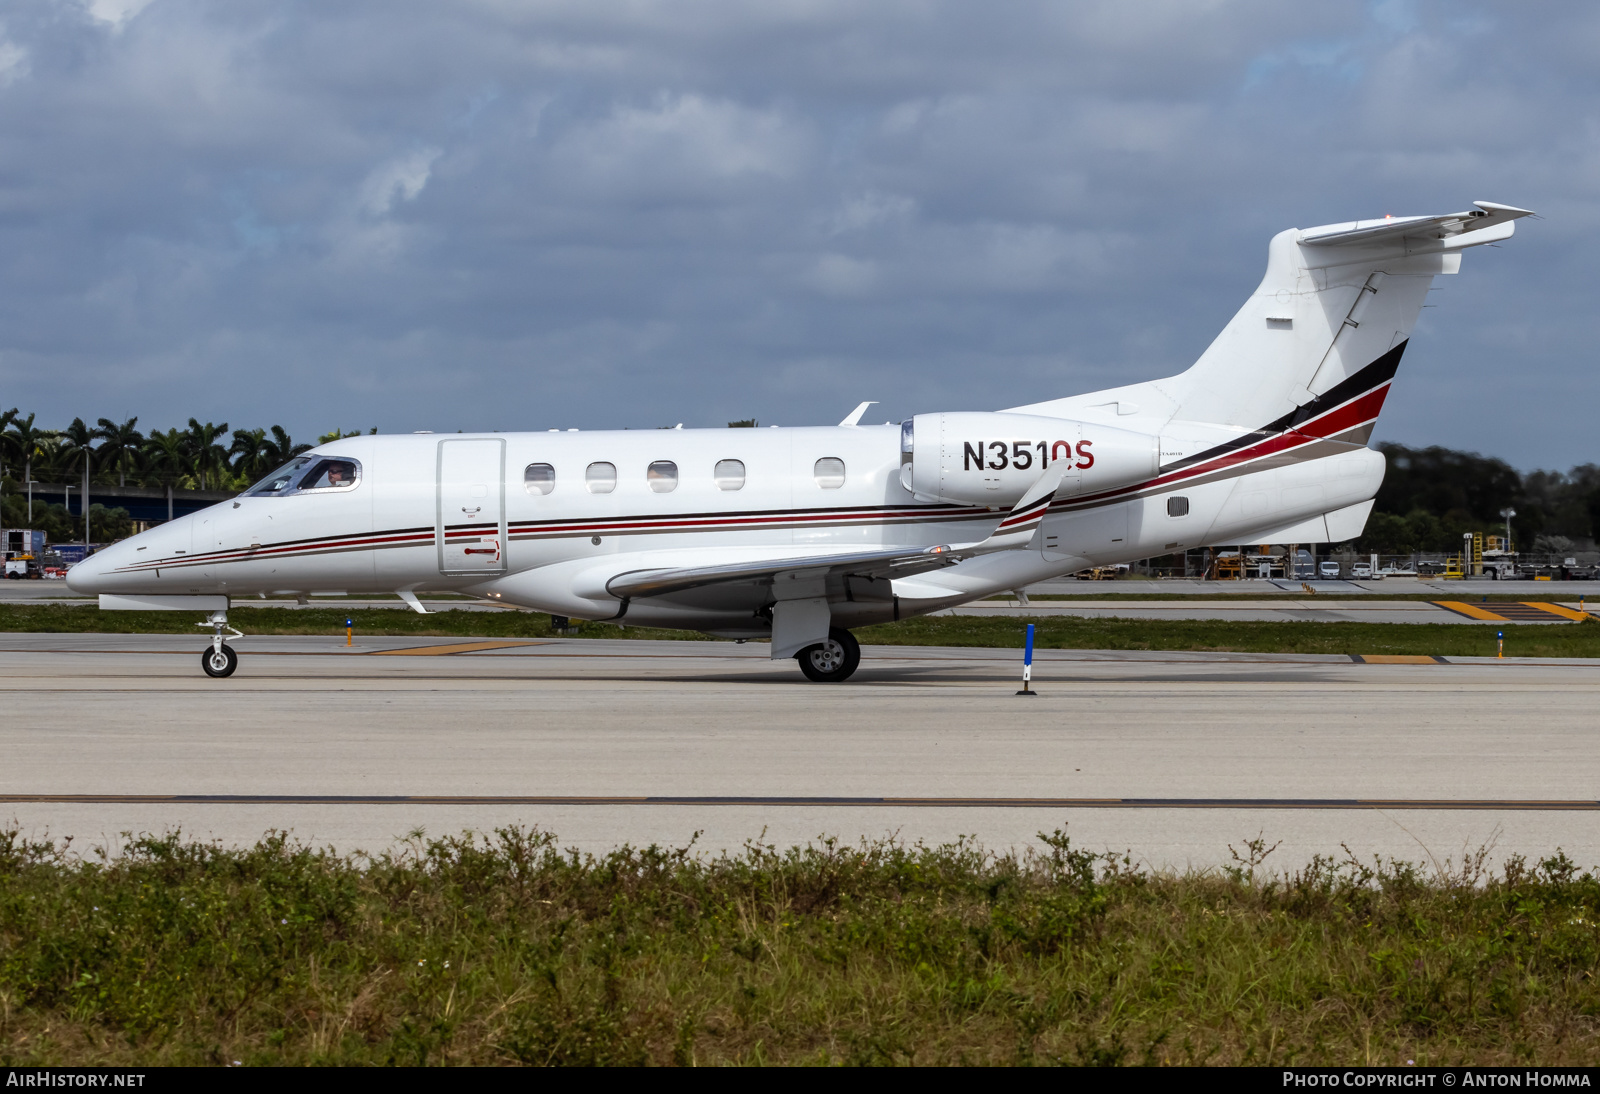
(1017, 527)
(854, 417)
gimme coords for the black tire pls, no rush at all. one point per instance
(833, 661)
(219, 666)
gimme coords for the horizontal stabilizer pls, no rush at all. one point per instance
(1444, 232)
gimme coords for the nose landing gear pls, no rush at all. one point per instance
(219, 660)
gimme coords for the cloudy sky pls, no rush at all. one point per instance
(493, 214)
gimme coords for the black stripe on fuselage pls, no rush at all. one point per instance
(1360, 382)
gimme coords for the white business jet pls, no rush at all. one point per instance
(798, 535)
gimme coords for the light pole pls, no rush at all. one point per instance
(1508, 513)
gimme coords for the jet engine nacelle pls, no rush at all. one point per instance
(992, 459)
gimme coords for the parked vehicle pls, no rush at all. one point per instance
(1328, 569)
(1362, 571)
(1305, 567)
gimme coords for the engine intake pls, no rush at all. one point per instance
(991, 459)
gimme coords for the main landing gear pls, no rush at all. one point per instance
(219, 660)
(832, 661)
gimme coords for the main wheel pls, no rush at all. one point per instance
(221, 662)
(833, 661)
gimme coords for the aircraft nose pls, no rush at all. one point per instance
(90, 575)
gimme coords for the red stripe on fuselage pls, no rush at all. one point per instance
(1340, 419)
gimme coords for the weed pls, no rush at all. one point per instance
(508, 949)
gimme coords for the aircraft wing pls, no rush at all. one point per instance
(1015, 530)
(892, 562)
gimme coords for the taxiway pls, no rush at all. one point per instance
(1172, 756)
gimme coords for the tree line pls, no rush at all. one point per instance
(203, 456)
(1430, 496)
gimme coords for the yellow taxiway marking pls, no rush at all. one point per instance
(1471, 611)
(1525, 611)
(1557, 609)
(454, 647)
(1401, 659)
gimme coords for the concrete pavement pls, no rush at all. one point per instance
(481, 728)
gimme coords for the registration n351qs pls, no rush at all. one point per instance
(798, 535)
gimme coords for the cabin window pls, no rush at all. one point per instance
(1177, 507)
(663, 476)
(600, 478)
(539, 478)
(830, 472)
(729, 474)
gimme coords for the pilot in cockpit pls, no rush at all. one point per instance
(332, 474)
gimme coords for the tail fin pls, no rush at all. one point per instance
(1327, 324)
(1334, 311)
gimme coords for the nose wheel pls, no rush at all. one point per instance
(832, 661)
(219, 660)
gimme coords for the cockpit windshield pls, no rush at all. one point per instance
(281, 481)
(306, 473)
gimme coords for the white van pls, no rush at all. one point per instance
(1328, 569)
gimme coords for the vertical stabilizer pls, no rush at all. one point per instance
(1336, 301)
(1327, 324)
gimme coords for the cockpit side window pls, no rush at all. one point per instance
(340, 473)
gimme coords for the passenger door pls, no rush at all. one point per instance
(470, 526)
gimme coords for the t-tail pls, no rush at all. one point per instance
(1300, 373)
(1325, 328)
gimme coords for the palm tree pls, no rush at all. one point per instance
(281, 449)
(28, 443)
(6, 418)
(166, 459)
(209, 457)
(77, 448)
(121, 446)
(249, 452)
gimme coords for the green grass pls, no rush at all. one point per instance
(506, 950)
(1061, 632)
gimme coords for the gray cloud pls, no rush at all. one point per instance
(519, 215)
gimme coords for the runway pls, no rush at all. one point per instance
(1169, 756)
